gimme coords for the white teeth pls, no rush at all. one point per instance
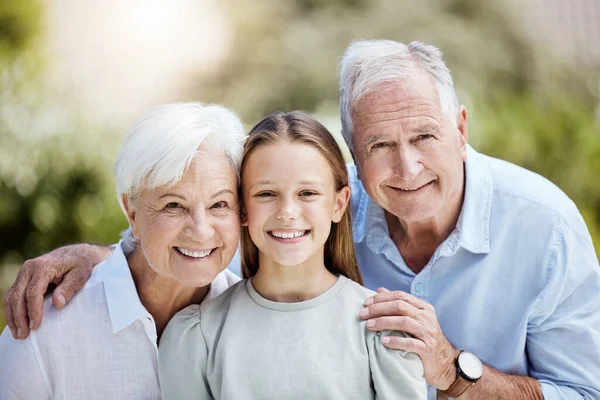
(194, 254)
(288, 235)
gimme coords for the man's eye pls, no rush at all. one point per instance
(220, 205)
(173, 204)
(380, 145)
(424, 136)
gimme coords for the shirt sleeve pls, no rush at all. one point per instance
(563, 341)
(396, 374)
(182, 358)
(20, 374)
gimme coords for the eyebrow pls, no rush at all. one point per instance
(372, 139)
(302, 182)
(424, 129)
(219, 193)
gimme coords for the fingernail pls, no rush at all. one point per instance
(18, 333)
(371, 323)
(369, 301)
(61, 299)
(31, 324)
(14, 334)
(364, 312)
(385, 340)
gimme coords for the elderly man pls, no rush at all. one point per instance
(487, 261)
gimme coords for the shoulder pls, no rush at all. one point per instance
(221, 283)
(527, 189)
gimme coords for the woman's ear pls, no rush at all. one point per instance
(131, 214)
(342, 198)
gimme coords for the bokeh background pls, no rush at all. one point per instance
(75, 74)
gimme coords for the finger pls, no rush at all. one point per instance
(15, 300)
(390, 308)
(10, 322)
(382, 290)
(71, 283)
(406, 344)
(403, 324)
(384, 296)
(38, 286)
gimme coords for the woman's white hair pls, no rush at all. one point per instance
(160, 146)
(369, 64)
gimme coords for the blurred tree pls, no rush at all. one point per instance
(54, 186)
(525, 106)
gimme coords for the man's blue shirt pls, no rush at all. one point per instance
(517, 282)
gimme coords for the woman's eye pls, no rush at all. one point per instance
(173, 205)
(220, 205)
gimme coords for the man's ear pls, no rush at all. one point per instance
(461, 125)
(131, 214)
(355, 163)
(342, 198)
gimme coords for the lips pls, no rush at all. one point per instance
(197, 254)
(288, 234)
(410, 189)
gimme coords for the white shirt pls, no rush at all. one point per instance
(102, 345)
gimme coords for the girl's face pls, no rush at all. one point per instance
(290, 202)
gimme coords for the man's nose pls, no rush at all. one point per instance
(408, 163)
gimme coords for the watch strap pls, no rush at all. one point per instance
(459, 386)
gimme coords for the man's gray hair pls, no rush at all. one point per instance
(369, 64)
(160, 146)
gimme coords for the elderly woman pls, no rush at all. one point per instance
(176, 179)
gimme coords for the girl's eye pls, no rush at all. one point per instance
(173, 204)
(307, 193)
(220, 205)
(264, 194)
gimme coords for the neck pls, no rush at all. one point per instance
(290, 284)
(418, 240)
(163, 297)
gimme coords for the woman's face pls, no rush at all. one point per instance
(190, 232)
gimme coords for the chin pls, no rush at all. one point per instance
(197, 278)
(413, 214)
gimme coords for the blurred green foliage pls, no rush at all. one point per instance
(524, 105)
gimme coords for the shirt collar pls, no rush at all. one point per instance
(124, 305)
(473, 227)
(474, 221)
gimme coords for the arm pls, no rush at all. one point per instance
(399, 311)
(69, 267)
(562, 336)
(182, 358)
(396, 374)
(20, 374)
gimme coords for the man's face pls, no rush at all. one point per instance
(409, 155)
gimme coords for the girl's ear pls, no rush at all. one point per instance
(243, 217)
(131, 214)
(342, 198)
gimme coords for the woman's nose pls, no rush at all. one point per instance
(200, 227)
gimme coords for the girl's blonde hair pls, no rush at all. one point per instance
(299, 127)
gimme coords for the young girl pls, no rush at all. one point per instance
(291, 329)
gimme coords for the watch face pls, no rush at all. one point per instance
(470, 365)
